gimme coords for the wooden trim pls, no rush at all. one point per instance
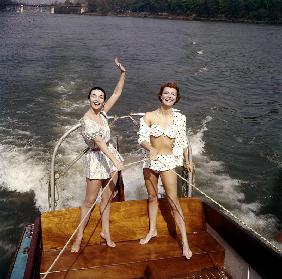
(120, 189)
(262, 258)
(119, 186)
(34, 258)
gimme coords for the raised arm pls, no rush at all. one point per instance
(118, 89)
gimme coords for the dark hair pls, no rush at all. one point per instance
(97, 88)
(170, 85)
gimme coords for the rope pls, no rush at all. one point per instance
(58, 175)
(115, 118)
(71, 164)
(226, 210)
(86, 215)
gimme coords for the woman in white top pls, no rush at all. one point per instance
(102, 160)
(163, 134)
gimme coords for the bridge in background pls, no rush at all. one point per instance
(46, 8)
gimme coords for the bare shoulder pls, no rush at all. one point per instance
(86, 116)
(149, 116)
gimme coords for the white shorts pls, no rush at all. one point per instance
(164, 163)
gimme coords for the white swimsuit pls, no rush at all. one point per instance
(176, 131)
(164, 162)
(97, 164)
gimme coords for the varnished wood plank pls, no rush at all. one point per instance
(161, 247)
(164, 269)
(125, 271)
(161, 268)
(129, 221)
(218, 258)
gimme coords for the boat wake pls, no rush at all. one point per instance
(24, 171)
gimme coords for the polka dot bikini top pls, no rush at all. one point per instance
(156, 130)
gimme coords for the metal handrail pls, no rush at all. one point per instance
(52, 174)
(190, 177)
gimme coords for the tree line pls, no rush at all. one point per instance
(230, 9)
(3, 3)
(258, 10)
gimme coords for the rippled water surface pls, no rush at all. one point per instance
(231, 86)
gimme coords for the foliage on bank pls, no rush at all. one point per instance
(259, 10)
(3, 4)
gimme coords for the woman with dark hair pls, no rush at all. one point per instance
(102, 160)
(163, 134)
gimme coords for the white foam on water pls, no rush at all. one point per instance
(215, 182)
(66, 86)
(21, 132)
(134, 187)
(203, 69)
(70, 106)
(24, 171)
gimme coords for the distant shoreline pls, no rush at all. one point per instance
(189, 18)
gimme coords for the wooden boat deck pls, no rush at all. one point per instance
(161, 258)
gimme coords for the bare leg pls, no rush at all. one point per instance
(151, 181)
(92, 190)
(169, 180)
(105, 208)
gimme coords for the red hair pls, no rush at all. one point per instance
(170, 85)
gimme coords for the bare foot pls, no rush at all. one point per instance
(148, 237)
(108, 240)
(76, 245)
(187, 253)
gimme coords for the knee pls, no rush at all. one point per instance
(88, 203)
(153, 199)
(106, 199)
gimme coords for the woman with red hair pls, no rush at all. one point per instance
(163, 135)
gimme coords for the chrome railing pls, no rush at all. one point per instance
(52, 171)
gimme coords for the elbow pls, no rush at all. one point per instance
(142, 140)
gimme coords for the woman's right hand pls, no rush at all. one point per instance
(118, 164)
(119, 65)
(153, 154)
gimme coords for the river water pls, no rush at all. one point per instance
(231, 86)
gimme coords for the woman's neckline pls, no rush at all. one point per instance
(160, 112)
(102, 121)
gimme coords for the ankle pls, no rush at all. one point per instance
(153, 231)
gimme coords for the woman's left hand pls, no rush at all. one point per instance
(120, 66)
(188, 166)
